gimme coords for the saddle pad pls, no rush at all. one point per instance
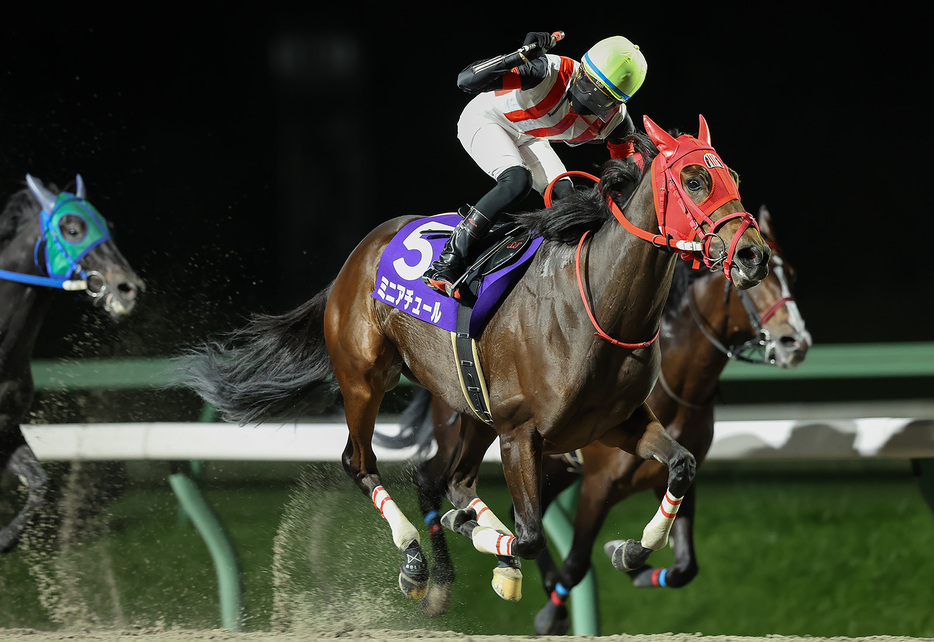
(410, 253)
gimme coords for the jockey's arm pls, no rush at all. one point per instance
(511, 73)
(619, 142)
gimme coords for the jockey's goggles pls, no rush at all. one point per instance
(592, 95)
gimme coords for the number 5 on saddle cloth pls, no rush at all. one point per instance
(506, 252)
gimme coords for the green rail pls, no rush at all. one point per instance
(824, 361)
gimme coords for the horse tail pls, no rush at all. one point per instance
(277, 366)
(415, 426)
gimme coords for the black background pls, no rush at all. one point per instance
(242, 153)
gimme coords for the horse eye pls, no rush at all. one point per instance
(72, 227)
(694, 184)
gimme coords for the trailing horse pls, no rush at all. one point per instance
(550, 383)
(705, 324)
(48, 242)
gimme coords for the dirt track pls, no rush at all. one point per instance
(371, 635)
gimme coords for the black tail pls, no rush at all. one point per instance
(415, 426)
(275, 367)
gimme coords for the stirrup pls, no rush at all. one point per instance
(444, 287)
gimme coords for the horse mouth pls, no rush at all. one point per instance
(744, 278)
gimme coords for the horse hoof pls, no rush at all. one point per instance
(507, 582)
(437, 601)
(413, 589)
(456, 517)
(628, 555)
(413, 574)
(552, 620)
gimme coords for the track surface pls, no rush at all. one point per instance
(348, 634)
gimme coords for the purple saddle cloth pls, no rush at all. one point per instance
(410, 253)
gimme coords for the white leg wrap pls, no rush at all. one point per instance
(403, 533)
(485, 517)
(655, 535)
(487, 540)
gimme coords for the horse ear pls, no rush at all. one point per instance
(703, 132)
(79, 187)
(665, 142)
(44, 197)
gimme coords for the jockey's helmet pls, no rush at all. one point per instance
(610, 73)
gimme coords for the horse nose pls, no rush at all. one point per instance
(754, 256)
(792, 348)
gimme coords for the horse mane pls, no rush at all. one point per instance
(585, 209)
(20, 209)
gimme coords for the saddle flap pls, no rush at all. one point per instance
(410, 252)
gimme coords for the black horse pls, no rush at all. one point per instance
(48, 241)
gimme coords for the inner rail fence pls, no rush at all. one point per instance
(875, 428)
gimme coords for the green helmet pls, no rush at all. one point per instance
(613, 70)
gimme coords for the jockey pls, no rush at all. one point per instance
(522, 103)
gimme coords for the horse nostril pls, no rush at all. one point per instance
(754, 256)
(789, 341)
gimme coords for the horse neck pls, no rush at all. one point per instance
(629, 278)
(22, 307)
(691, 363)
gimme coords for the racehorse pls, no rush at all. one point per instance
(705, 324)
(48, 241)
(553, 384)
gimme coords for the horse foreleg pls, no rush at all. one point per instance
(24, 465)
(471, 516)
(684, 568)
(644, 436)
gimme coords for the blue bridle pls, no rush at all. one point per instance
(63, 256)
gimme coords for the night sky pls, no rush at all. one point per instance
(241, 155)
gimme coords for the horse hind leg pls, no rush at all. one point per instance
(359, 461)
(430, 494)
(23, 464)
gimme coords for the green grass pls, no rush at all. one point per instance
(849, 552)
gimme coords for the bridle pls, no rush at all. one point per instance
(680, 221)
(58, 259)
(761, 348)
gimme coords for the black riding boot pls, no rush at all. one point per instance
(452, 263)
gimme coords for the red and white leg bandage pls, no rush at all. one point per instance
(655, 534)
(403, 533)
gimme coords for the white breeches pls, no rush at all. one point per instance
(495, 147)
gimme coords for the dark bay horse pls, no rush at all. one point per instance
(554, 384)
(705, 324)
(48, 241)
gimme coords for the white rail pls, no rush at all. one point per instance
(788, 432)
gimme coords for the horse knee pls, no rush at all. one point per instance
(682, 468)
(529, 545)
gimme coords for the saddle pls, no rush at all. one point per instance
(502, 246)
(502, 256)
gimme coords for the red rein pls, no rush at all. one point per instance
(577, 265)
(599, 331)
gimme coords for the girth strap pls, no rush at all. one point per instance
(472, 382)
